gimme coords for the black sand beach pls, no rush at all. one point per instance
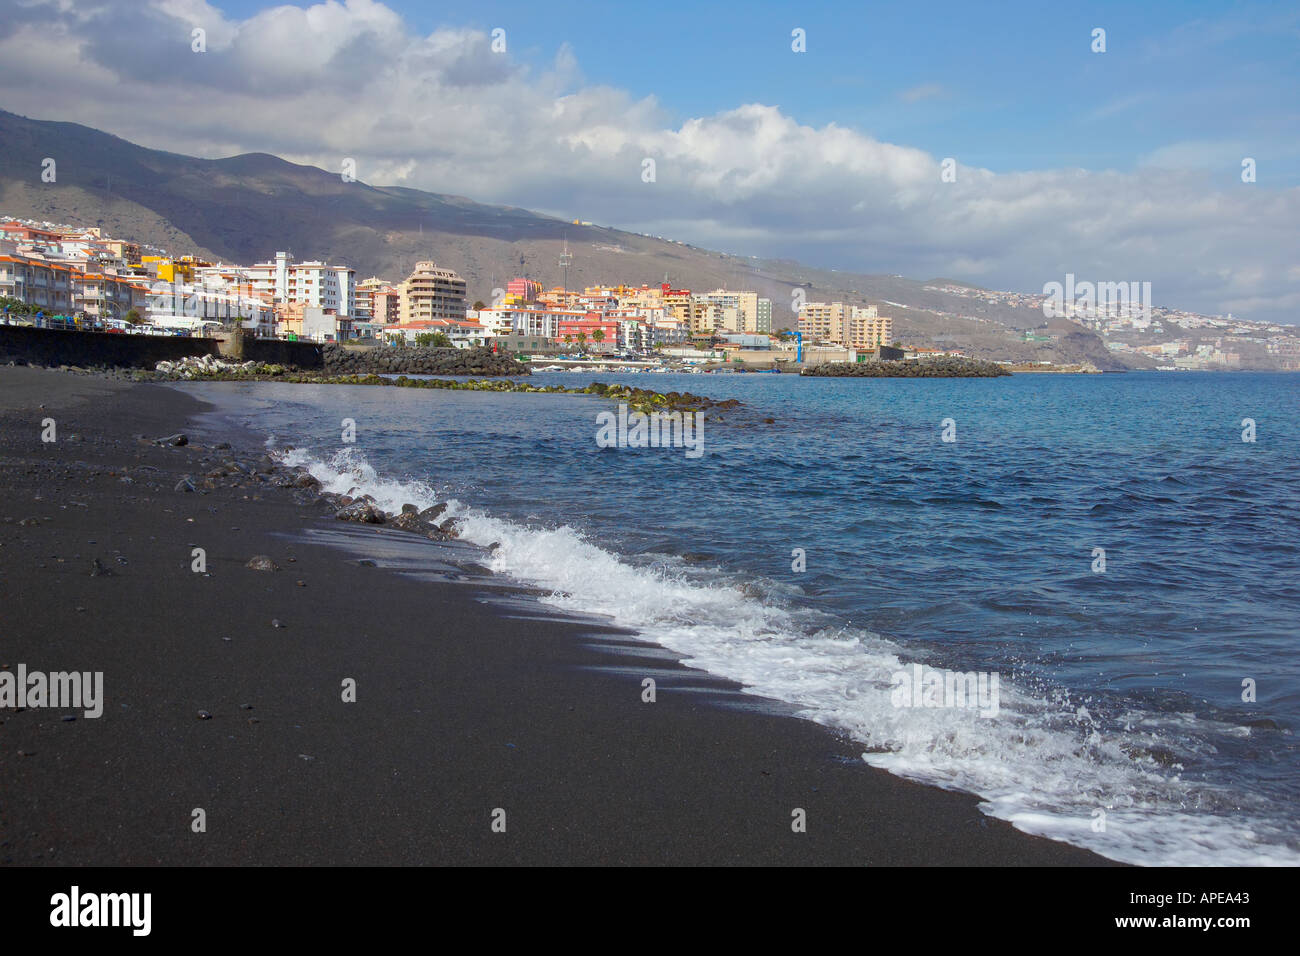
(460, 709)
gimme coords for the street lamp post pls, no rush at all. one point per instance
(105, 305)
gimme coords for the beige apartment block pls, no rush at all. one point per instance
(822, 322)
(733, 311)
(698, 315)
(855, 327)
(865, 329)
(432, 293)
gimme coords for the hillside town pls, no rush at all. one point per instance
(1163, 337)
(79, 277)
(83, 278)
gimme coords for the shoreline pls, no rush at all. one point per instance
(461, 706)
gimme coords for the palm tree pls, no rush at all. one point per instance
(598, 335)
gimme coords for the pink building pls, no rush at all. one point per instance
(524, 289)
(386, 305)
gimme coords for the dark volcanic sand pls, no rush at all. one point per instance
(460, 709)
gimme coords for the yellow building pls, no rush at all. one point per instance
(175, 270)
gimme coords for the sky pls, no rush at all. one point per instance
(1122, 164)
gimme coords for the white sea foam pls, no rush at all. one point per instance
(1047, 767)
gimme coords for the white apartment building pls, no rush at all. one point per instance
(177, 304)
(286, 282)
(462, 333)
(543, 323)
(495, 321)
(638, 334)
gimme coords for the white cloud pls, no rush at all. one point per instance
(924, 91)
(1198, 154)
(442, 112)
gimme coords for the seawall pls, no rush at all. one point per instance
(27, 345)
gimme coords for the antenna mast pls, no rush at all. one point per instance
(565, 261)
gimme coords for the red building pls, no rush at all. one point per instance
(568, 330)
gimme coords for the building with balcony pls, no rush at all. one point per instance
(431, 293)
(285, 282)
(182, 305)
(850, 326)
(364, 303)
(39, 282)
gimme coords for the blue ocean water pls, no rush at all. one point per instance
(1124, 724)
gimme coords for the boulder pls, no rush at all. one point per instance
(361, 511)
(429, 514)
(408, 521)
